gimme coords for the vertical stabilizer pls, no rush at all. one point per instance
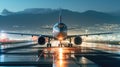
(60, 16)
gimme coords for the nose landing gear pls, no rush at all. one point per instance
(60, 44)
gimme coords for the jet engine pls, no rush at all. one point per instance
(41, 40)
(78, 40)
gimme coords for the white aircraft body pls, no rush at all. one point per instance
(59, 33)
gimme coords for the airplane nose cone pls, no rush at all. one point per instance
(62, 29)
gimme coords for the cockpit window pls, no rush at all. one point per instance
(60, 25)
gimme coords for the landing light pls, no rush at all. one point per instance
(60, 38)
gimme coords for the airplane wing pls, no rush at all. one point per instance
(90, 34)
(28, 34)
(52, 36)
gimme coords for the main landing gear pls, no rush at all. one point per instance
(48, 44)
(70, 44)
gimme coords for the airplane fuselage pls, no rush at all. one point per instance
(60, 31)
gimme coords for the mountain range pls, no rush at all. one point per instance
(36, 17)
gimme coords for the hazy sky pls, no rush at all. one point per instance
(75, 5)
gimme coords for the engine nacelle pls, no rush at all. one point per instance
(78, 40)
(41, 40)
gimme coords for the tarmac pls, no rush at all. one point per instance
(33, 55)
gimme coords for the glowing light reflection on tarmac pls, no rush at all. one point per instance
(2, 58)
(83, 60)
(55, 43)
(60, 58)
(60, 53)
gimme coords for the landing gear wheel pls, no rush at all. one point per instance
(49, 45)
(70, 45)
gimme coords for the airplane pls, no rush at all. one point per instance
(59, 33)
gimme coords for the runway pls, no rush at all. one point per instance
(33, 55)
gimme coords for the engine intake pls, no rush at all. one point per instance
(78, 40)
(41, 40)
